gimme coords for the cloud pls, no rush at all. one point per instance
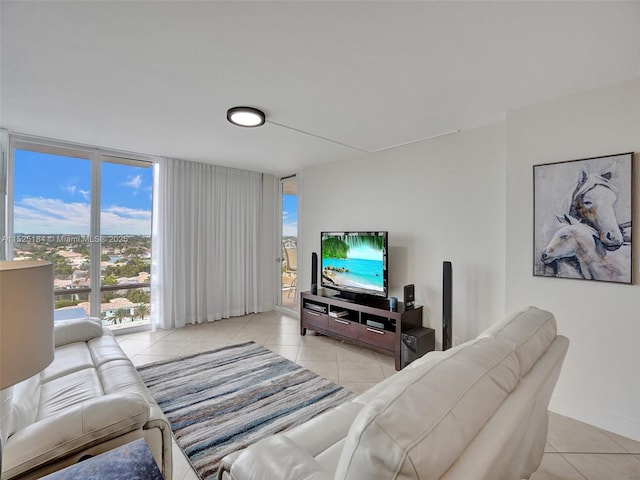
(50, 215)
(289, 224)
(85, 194)
(287, 216)
(134, 182)
(54, 216)
(290, 230)
(70, 188)
(117, 220)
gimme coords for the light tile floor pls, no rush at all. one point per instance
(574, 450)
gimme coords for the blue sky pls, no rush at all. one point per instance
(52, 195)
(289, 215)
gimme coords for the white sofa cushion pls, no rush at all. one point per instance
(528, 332)
(76, 330)
(85, 424)
(62, 393)
(320, 439)
(68, 359)
(313, 438)
(105, 349)
(424, 419)
(271, 459)
(25, 401)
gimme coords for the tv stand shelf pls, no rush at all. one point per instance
(368, 323)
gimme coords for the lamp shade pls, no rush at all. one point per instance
(26, 319)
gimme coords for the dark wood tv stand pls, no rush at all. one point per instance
(369, 323)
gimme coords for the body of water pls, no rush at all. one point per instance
(367, 274)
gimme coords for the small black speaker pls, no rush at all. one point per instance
(447, 307)
(415, 343)
(409, 296)
(314, 273)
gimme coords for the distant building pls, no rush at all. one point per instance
(108, 310)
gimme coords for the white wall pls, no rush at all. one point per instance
(441, 199)
(600, 382)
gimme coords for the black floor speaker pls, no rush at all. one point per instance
(447, 307)
(314, 273)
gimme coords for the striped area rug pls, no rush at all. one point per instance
(220, 401)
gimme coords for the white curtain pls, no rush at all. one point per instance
(206, 243)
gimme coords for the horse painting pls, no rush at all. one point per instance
(593, 199)
(592, 202)
(579, 240)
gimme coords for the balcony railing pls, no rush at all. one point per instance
(110, 316)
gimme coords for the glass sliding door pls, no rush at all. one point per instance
(288, 297)
(125, 254)
(89, 213)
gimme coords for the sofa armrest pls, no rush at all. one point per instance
(271, 458)
(81, 426)
(76, 330)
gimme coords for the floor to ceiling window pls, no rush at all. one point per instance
(289, 242)
(88, 212)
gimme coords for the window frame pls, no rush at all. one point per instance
(96, 156)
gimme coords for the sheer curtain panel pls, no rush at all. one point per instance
(206, 243)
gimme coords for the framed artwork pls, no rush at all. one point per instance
(582, 219)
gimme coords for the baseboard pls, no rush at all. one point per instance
(267, 307)
(627, 427)
(287, 311)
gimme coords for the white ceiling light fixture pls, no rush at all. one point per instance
(245, 116)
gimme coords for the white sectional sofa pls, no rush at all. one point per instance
(88, 401)
(475, 412)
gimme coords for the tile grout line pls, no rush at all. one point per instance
(573, 466)
(596, 453)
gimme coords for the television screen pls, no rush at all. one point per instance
(355, 262)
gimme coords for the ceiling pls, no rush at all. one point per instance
(158, 77)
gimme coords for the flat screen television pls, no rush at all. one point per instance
(354, 263)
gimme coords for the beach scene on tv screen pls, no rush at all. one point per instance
(353, 262)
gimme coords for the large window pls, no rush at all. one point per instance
(88, 212)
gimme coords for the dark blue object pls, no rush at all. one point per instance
(132, 461)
